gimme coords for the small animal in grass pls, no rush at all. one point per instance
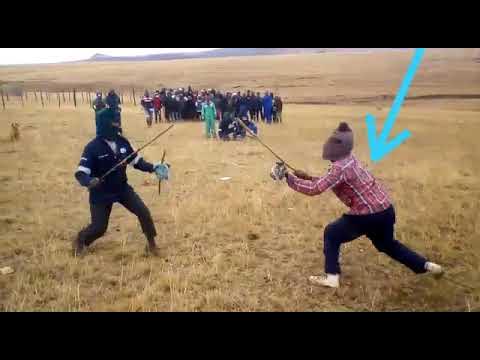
(15, 132)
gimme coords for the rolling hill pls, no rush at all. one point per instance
(231, 52)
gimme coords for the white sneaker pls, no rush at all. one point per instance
(433, 268)
(328, 280)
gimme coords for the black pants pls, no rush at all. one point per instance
(379, 228)
(100, 214)
(274, 116)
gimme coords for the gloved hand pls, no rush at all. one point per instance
(162, 171)
(278, 172)
(94, 182)
(302, 175)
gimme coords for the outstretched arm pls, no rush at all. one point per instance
(140, 164)
(315, 186)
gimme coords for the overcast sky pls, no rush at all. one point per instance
(50, 55)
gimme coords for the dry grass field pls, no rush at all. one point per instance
(247, 244)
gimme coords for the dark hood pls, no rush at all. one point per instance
(104, 121)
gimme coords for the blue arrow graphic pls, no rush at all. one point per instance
(379, 147)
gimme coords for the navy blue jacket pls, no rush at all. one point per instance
(98, 158)
(113, 101)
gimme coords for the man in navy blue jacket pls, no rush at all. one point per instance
(101, 154)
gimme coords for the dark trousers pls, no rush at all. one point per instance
(379, 228)
(260, 114)
(158, 115)
(253, 114)
(100, 214)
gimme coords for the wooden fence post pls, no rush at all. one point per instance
(21, 97)
(35, 93)
(83, 98)
(63, 95)
(134, 101)
(122, 97)
(3, 101)
(58, 98)
(41, 98)
(74, 98)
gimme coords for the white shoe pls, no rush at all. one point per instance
(435, 269)
(328, 280)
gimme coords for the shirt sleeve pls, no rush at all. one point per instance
(84, 170)
(86, 161)
(133, 159)
(137, 161)
(317, 185)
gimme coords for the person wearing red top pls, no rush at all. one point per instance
(157, 106)
(371, 214)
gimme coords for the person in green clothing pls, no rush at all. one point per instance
(209, 114)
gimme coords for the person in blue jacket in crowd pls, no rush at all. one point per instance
(267, 107)
(100, 155)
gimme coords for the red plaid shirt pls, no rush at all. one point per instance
(352, 184)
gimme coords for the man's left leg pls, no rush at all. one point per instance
(133, 203)
(339, 232)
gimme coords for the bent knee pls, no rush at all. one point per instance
(330, 233)
(143, 213)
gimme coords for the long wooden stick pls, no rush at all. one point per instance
(133, 154)
(261, 142)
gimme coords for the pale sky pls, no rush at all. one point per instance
(10, 56)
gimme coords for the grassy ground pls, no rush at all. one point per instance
(247, 244)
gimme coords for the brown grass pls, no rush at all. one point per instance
(247, 244)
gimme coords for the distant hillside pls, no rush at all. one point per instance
(232, 52)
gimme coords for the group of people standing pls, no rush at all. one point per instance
(183, 104)
(208, 105)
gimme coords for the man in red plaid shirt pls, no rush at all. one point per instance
(371, 211)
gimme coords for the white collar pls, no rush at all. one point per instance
(112, 144)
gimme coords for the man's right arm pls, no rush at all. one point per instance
(84, 170)
(315, 185)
